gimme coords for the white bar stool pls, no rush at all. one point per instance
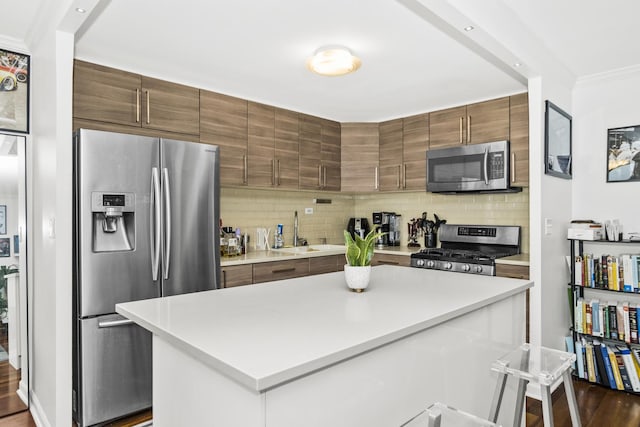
(539, 365)
(441, 415)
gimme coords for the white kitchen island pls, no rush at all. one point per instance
(308, 352)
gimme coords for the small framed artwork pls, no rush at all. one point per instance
(16, 245)
(623, 154)
(5, 247)
(557, 142)
(3, 219)
(14, 91)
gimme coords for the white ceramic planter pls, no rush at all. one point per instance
(357, 277)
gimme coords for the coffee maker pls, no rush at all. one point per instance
(389, 223)
(359, 226)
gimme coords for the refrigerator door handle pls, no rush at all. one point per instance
(154, 223)
(115, 323)
(167, 223)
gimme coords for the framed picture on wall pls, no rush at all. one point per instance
(623, 154)
(14, 91)
(557, 142)
(3, 219)
(5, 247)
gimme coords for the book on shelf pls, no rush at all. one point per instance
(616, 273)
(580, 358)
(632, 372)
(624, 372)
(615, 368)
(600, 365)
(591, 366)
(608, 372)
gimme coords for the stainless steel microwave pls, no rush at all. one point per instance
(473, 167)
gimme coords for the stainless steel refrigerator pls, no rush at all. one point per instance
(146, 218)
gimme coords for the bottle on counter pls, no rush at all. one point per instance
(278, 237)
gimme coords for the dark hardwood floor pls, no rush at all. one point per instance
(10, 403)
(599, 407)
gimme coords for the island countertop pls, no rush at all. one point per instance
(265, 335)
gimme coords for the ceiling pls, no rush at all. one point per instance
(257, 49)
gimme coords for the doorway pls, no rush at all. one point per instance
(13, 278)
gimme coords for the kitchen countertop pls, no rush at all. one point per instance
(284, 254)
(266, 335)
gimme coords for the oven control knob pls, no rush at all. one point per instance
(478, 269)
(420, 263)
(448, 266)
(466, 267)
(431, 263)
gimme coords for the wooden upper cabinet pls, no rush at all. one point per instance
(310, 152)
(223, 122)
(415, 141)
(391, 164)
(519, 139)
(359, 147)
(331, 155)
(286, 148)
(272, 147)
(485, 121)
(446, 127)
(170, 107)
(104, 94)
(488, 121)
(320, 157)
(261, 133)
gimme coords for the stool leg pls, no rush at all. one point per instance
(520, 399)
(571, 399)
(497, 397)
(547, 412)
(434, 420)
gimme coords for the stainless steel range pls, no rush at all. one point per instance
(470, 248)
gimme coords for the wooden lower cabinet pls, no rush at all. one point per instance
(388, 259)
(237, 275)
(512, 271)
(279, 270)
(326, 264)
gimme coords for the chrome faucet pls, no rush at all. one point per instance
(295, 228)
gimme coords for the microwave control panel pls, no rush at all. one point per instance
(496, 165)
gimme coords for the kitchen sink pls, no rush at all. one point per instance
(311, 249)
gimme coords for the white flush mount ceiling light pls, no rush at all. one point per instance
(333, 61)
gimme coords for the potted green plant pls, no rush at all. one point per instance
(358, 254)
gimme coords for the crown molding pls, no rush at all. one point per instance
(618, 73)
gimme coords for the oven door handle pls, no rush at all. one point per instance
(486, 166)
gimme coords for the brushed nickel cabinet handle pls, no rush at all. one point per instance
(404, 175)
(461, 127)
(224, 278)
(245, 167)
(273, 172)
(513, 167)
(376, 181)
(148, 107)
(468, 129)
(278, 173)
(137, 105)
(283, 270)
(398, 176)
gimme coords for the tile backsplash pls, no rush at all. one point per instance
(248, 209)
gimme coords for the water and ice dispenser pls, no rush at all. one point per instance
(113, 221)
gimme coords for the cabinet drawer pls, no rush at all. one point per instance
(513, 271)
(382, 259)
(237, 275)
(326, 264)
(278, 270)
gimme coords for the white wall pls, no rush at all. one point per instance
(602, 102)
